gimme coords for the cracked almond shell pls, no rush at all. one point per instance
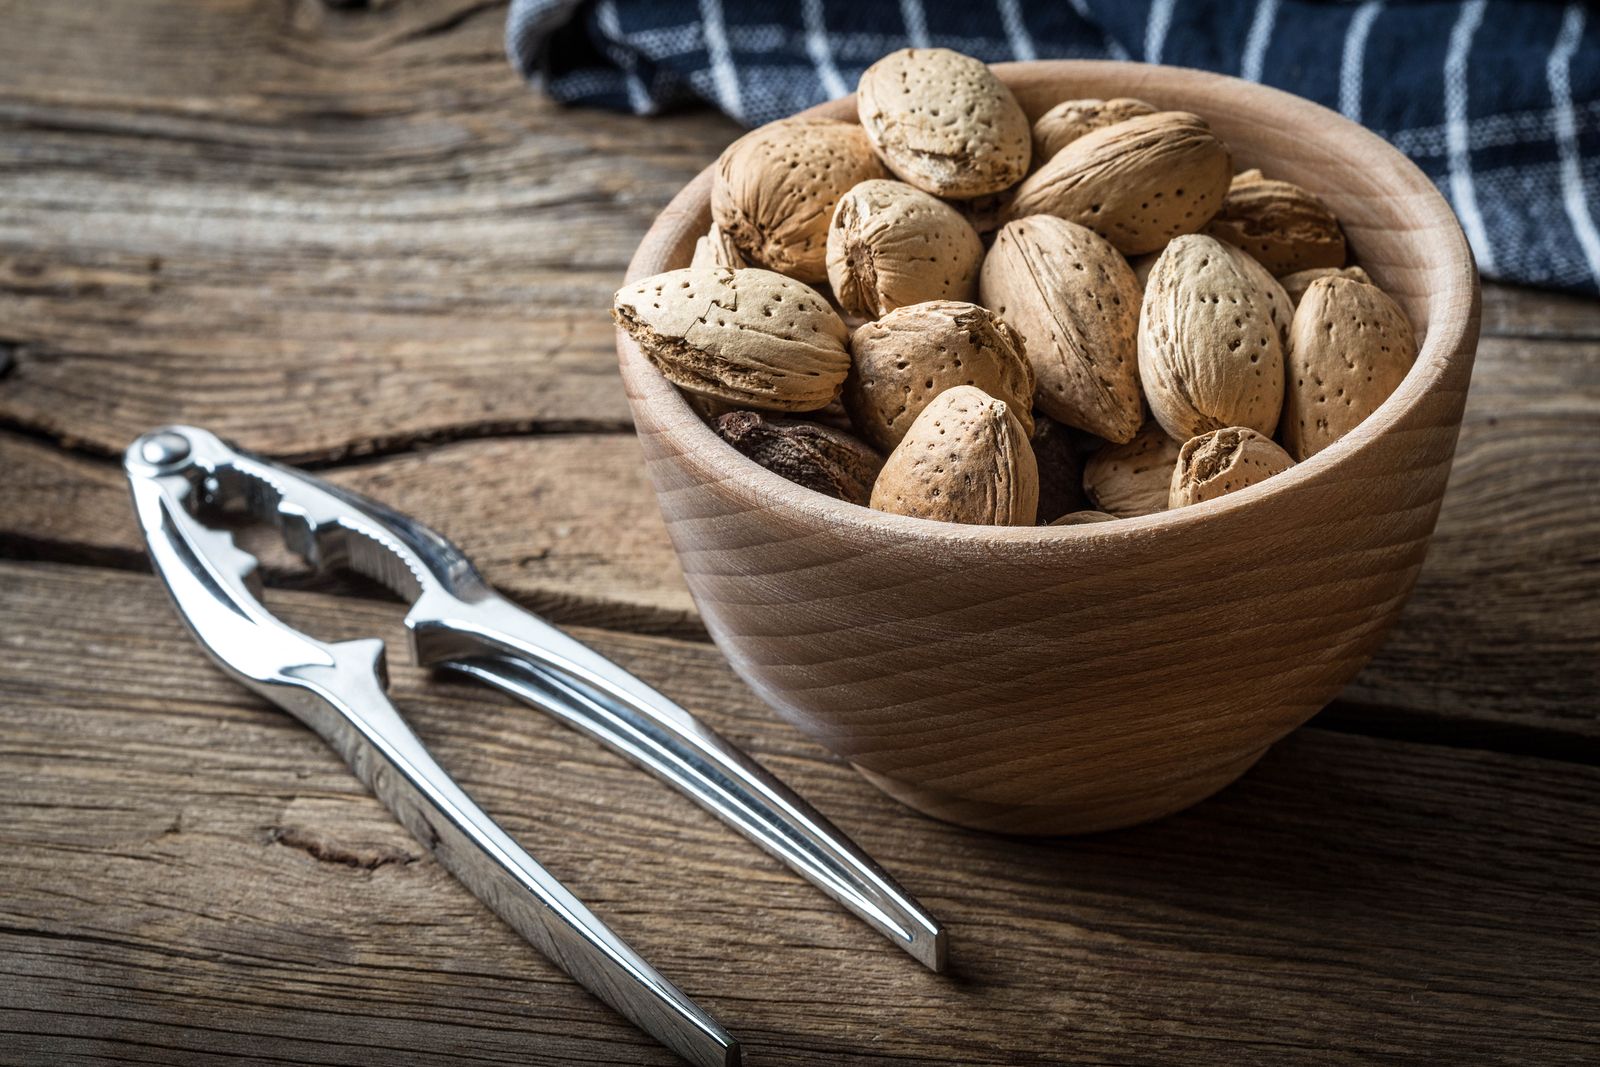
(1210, 354)
(750, 337)
(1224, 461)
(891, 245)
(1075, 302)
(1350, 346)
(944, 123)
(1280, 224)
(965, 459)
(822, 458)
(901, 362)
(1138, 183)
(773, 191)
(1071, 119)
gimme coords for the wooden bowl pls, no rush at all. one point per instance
(1070, 679)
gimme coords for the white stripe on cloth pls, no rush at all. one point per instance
(1558, 72)
(1113, 46)
(1255, 43)
(1016, 30)
(611, 25)
(1155, 29)
(817, 48)
(1463, 194)
(723, 75)
(1355, 58)
(916, 21)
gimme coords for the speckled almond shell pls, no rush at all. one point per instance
(1349, 347)
(965, 459)
(944, 123)
(774, 189)
(901, 362)
(1296, 284)
(1133, 478)
(1280, 309)
(1280, 224)
(1071, 119)
(1137, 183)
(714, 249)
(891, 245)
(1209, 352)
(750, 337)
(1224, 461)
(1075, 302)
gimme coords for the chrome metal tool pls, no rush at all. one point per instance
(182, 476)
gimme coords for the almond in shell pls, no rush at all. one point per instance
(1075, 302)
(1210, 354)
(714, 249)
(1280, 224)
(1138, 183)
(821, 458)
(1224, 461)
(944, 123)
(1296, 284)
(749, 337)
(965, 459)
(1134, 478)
(774, 189)
(1350, 346)
(891, 245)
(1071, 119)
(904, 360)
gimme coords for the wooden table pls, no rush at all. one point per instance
(344, 233)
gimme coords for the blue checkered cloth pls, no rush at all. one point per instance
(1498, 102)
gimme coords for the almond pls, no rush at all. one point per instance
(901, 362)
(965, 459)
(944, 123)
(751, 337)
(1280, 309)
(891, 245)
(1210, 354)
(1280, 224)
(1075, 302)
(714, 249)
(774, 189)
(1083, 518)
(821, 458)
(1132, 479)
(1224, 461)
(1137, 183)
(1350, 346)
(1071, 119)
(1296, 284)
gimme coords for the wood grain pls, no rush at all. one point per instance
(316, 232)
(192, 876)
(1076, 679)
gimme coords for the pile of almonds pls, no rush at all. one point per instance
(1090, 318)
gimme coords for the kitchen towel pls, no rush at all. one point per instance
(1499, 103)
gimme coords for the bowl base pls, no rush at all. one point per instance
(1085, 816)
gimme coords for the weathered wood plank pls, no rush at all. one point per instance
(317, 232)
(1512, 311)
(191, 876)
(1501, 632)
(566, 523)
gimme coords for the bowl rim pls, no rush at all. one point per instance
(1447, 349)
